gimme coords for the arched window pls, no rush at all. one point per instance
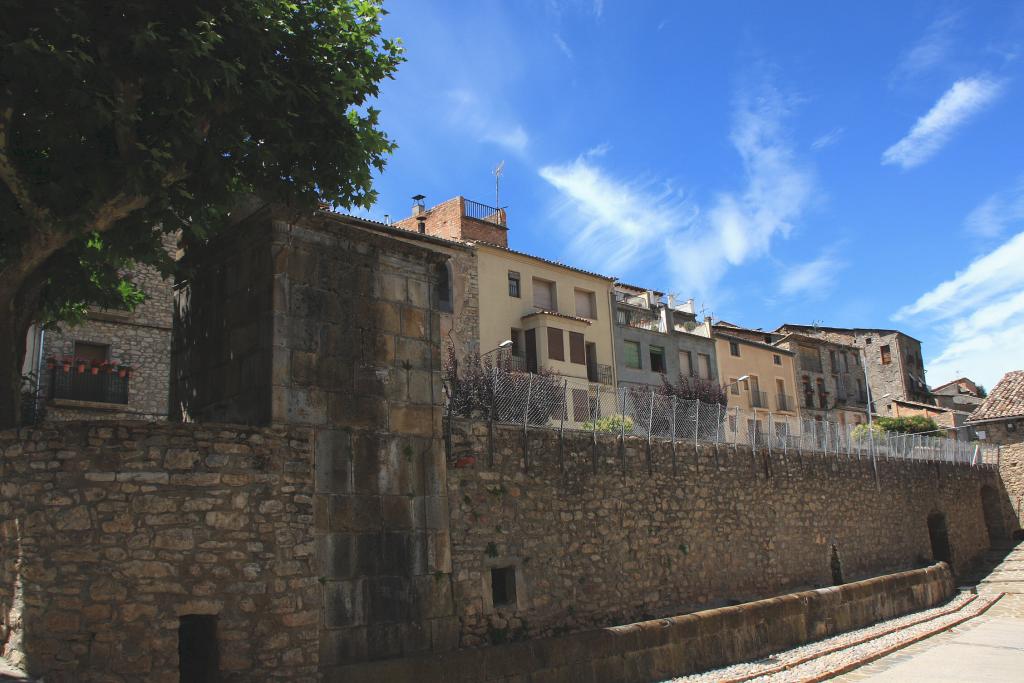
(444, 287)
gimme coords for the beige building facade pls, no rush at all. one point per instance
(768, 390)
(558, 318)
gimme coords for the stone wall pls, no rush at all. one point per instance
(110, 532)
(139, 338)
(680, 645)
(1011, 470)
(629, 539)
(1002, 432)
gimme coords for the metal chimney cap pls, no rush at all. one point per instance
(419, 197)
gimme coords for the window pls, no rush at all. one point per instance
(846, 362)
(544, 295)
(867, 340)
(1011, 426)
(686, 364)
(886, 354)
(703, 366)
(503, 586)
(734, 349)
(732, 422)
(517, 345)
(198, 656)
(90, 351)
(577, 348)
(777, 359)
(734, 386)
(586, 304)
(556, 347)
(657, 354)
(631, 350)
(513, 284)
(444, 287)
(832, 359)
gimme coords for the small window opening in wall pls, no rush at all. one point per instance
(837, 567)
(503, 586)
(198, 657)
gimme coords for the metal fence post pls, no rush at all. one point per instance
(622, 431)
(526, 422)
(650, 428)
(593, 433)
(696, 424)
(490, 422)
(770, 433)
(675, 406)
(561, 424)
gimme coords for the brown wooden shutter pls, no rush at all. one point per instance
(556, 347)
(577, 348)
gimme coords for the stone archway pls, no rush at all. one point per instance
(993, 515)
(938, 534)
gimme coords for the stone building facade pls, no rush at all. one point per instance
(830, 379)
(1000, 417)
(655, 340)
(138, 339)
(894, 362)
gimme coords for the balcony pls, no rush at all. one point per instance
(102, 387)
(639, 318)
(482, 212)
(758, 399)
(600, 374)
(809, 399)
(785, 403)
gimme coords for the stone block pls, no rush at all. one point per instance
(343, 646)
(413, 353)
(391, 287)
(413, 419)
(415, 323)
(387, 317)
(333, 461)
(336, 556)
(398, 511)
(388, 599)
(384, 641)
(305, 406)
(433, 596)
(357, 412)
(344, 603)
(354, 513)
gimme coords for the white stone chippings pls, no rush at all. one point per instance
(844, 657)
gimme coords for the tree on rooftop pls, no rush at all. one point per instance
(122, 122)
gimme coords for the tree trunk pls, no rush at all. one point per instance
(12, 355)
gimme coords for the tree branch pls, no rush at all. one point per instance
(35, 213)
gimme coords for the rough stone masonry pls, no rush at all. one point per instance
(325, 531)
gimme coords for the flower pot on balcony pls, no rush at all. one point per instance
(122, 372)
(81, 367)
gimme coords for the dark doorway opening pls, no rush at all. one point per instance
(938, 534)
(993, 515)
(503, 586)
(198, 655)
(531, 350)
(837, 567)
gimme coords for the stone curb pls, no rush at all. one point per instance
(899, 646)
(838, 648)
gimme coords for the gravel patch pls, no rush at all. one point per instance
(910, 625)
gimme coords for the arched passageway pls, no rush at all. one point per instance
(993, 514)
(938, 534)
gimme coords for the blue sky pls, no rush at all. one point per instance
(856, 164)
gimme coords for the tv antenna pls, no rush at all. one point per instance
(498, 170)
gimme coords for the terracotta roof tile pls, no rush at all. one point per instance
(1005, 400)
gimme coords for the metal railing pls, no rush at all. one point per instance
(599, 373)
(103, 387)
(640, 318)
(482, 212)
(573, 404)
(785, 403)
(758, 399)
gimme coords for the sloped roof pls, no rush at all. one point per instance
(1005, 400)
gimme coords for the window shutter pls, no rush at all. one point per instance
(577, 348)
(556, 348)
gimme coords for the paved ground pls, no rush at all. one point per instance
(987, 648)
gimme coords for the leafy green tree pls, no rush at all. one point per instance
(914, 424)
(122, 122)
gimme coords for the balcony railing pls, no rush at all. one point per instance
(482, 212)
(758, 399)
(103, 387)
(785, 402)
(640, 318)
(602, 374)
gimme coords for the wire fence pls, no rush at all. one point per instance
(569, 404)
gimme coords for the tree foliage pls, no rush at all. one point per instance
(913, 424)
(702, 390)
(122, 122)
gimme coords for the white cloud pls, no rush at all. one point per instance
(812, 278)
(980, 313)
(964, 99)
(469, 113)
(828, 139)
(639, 223)
(998, 212)
(931, 49)
(566, 50)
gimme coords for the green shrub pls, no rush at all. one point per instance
(915, 424)
(612, 423)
